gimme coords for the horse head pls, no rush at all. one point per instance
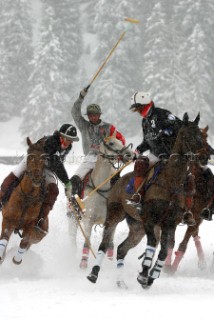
(112, 149)
(36, 159)
(191, 141)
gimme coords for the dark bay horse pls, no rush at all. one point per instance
(21, 211)
(163, 206)
(203, 197)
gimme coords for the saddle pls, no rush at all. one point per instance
(143, 176)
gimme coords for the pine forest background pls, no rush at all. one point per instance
(50, 50)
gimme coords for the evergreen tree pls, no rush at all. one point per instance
(16, 52)
(44, 110)
(158, 56)
(56, 75)
(121, 76)
(196, 55)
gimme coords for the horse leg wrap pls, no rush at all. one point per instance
(120, 274)
(149, 254)
(19, 255)
(199, 247)
(156, 270)
(110, 253)
(3, 246)
(178, 256)
(168, 260)
(99, 258)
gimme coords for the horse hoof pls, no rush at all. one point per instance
(168, 269)
(202, 265)
(142, 280)
(83, 264)
(92, 277)
(94, 274)
(122, 285)
(16, 262)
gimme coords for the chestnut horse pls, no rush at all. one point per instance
(163, 206)
(21, 211)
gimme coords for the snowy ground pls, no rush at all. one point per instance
(49, 283)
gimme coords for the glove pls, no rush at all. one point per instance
(136, 154)
(68, 190)
(164, 133)
(84, 92)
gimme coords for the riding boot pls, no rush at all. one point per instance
(7, 187)
(47, 206)
(140, 171)
(76, 185)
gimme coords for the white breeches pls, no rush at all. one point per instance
(21, 167)
(87, 165)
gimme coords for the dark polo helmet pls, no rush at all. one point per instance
(69, 132)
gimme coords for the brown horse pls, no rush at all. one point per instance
(204, 186)
(22, 210)
(163, 206)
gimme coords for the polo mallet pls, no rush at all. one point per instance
(111, 52)
(80, 201)
(83, 232)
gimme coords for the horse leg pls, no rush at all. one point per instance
(72, 230)
(200, 252)
(31, 235)
(7, 230)
(110, 250)
(149, 253)
(171, 243)
(115, 215)
(86, 246)
(135, 235)
(156, 270)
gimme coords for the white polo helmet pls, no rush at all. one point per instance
(139, 99)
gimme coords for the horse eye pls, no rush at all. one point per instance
(30, 157)
(43, 157)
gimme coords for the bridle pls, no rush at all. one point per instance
(118, 156)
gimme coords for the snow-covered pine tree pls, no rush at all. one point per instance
(55, 77)
(196, 54)
(16, 52)
(158, 57)
(122, 75)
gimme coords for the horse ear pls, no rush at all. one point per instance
(29, 141)
(197, 119)
(185, 118)
(206, 129)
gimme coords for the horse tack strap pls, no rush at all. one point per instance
(150, 177)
